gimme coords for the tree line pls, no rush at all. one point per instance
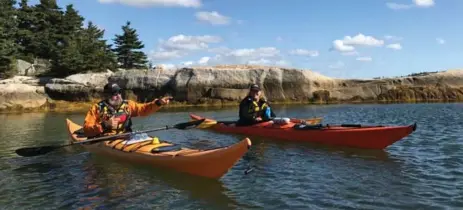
(46, 31)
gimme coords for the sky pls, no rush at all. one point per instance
(337, 38)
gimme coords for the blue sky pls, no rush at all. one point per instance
(337, 38)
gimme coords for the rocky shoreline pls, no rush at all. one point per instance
(224, 85)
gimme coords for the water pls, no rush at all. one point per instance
(423, 171)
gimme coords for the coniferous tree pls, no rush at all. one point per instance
(27, 26)
(97, 53)
(50, 19)
(127, 46)
(8, 30)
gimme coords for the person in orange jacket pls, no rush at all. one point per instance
(113, 114)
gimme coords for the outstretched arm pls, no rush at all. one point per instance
(145, 109)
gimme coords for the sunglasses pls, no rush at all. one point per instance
(116, 93)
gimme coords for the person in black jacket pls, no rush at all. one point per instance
(254, 109)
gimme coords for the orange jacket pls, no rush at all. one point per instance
(92, 125)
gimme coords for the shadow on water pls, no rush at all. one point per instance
(104, 173)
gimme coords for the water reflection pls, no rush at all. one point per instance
(123, 182)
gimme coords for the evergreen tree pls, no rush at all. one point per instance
(27, 24)
(97, 53)
(50, 19)
(8, 30)
(126, 48)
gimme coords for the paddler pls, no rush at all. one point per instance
(254, 108)
(113, 114)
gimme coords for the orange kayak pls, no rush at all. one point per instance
(359, 136)
(213, 163)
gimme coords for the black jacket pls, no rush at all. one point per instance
(248, 114)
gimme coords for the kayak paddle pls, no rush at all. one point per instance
(34, 151)
(209, 122)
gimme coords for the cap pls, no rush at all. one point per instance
(255, 87)
(111, 88)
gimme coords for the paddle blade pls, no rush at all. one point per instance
(188, 125)
(313, 121)
(35, 151)
(207, 124)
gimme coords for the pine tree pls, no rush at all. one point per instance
(25, 38)
(47, 28)
(8, 30)
(127, 45)
(97, 53)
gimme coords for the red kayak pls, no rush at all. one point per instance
(359, 136)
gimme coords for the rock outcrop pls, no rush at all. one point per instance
(221, 84)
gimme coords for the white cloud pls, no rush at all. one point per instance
(156, 3)
(183, 42)
(361, 39)
(396, 46)
(187, 63)
(164, 55)
(424, 3)
(416, 3)
(351, 53)
(213, 18)
(393, 38)
(279, 39)
(204, 60)
(440, 40)
(181, 45)
(341, 47)
(166, 66)
(256, 56)
(303, 52)
(396, 6)
(336, 65)
(365, 59)
(348, 43)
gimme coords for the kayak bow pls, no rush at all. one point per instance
(212, 163)
(359, 136)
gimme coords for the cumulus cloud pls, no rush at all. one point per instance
(163, 55)
(424, 3)
(156, 3)
(348, 43)
(254, 56)
(204, 60)
(341, 47)
(303, 52)
(364, 59)
(181, 45)
(415, 3)
(440, 40)
(396, 46)
(213, 18)
(183, 42)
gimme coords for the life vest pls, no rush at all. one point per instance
(257, 108)
(123, 113)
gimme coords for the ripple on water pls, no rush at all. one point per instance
(423, 171)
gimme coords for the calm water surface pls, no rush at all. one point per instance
(423, 171)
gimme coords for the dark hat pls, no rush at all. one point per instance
(255, 87)
(111, 88)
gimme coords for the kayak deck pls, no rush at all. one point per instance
(358, 136)
(212, 163)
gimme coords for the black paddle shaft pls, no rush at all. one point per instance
(34, 151)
